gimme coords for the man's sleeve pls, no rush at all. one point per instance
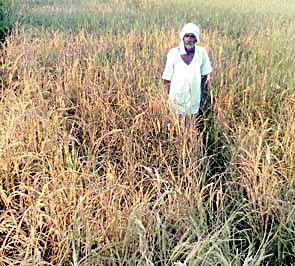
(206, 67)
(169, 67)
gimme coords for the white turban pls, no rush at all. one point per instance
(188, 28)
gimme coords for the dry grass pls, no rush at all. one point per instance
(91, 175)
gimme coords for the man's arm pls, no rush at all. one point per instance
(167, 85)
(168, 70)
(204, 83)
(206, 69)
(204, 91)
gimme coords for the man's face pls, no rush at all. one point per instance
(189, 40)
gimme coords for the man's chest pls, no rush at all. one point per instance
(187, 58)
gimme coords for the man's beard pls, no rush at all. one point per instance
(190, 47)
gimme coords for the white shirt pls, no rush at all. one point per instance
(185, 87)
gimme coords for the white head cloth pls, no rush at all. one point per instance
(188, 28)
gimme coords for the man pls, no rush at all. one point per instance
(185, 74)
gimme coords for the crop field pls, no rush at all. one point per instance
(91, 172)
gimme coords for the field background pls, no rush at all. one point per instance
(90, 172)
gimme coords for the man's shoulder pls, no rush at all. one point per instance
(201, 49)
(173, 51)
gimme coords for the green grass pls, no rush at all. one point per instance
(8, 17)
